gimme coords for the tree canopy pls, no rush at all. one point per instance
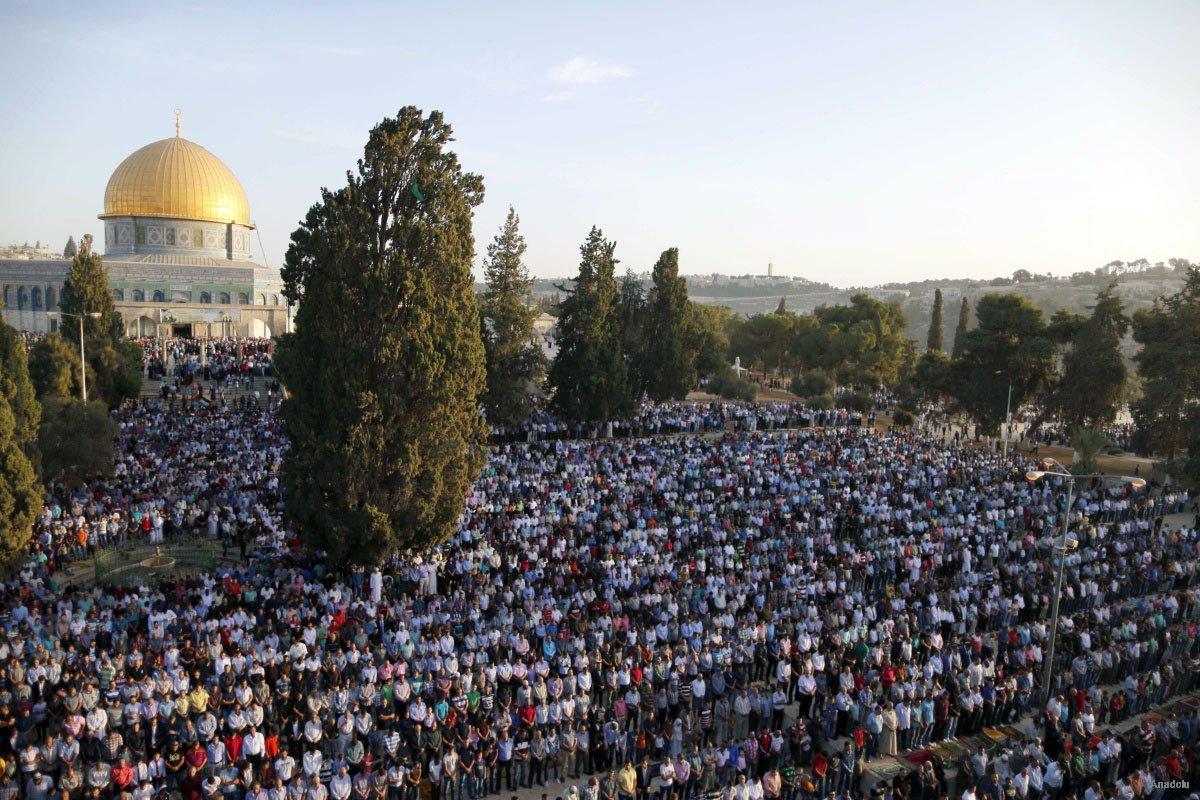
(1168, 412)
(934, 340)
(1091, 386)
(960, 330)
(18, 390)
(76, 441)
(386, 367)
(590, 377)
(1009, 346)
(670, 343)
(514, 359)
(20, 493)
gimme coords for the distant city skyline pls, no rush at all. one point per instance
(851, 144)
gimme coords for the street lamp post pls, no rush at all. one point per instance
(1058, 470)
(82, 357)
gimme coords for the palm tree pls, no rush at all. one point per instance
(1088, 443)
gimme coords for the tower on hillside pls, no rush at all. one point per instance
(770, 270)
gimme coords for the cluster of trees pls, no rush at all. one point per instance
(113, 364)
(618, 344)
(861, 344)
(47, 432)
(395, 369)
(1072, 366)
(1168, 411)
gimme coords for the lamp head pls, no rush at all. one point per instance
(1035, 475)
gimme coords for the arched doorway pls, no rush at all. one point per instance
(259, 329)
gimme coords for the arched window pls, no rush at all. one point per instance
(35, 298)
(160, 296)
(139, 296)
(243, 299)
(8, 297)
(50, 297)
(119, 295)
(205, 297)
(22, 298)
(224, 298)
(262, 299)
(274, 299)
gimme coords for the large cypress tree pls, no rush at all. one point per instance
(589, 375)
(514, 359)
(386, 366)
(960, 330)
(20, 494)
(934, 341)
(670, 360)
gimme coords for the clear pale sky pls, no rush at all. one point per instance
(850, 142)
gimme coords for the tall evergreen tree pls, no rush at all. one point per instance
(85, 292)
(69, 249)
(631, 322)
(960, 330)
(782, 307)
(934, 341)
(20, 494)
(514, 359)
(589, 375)
(114, 363)
(386, 366)
(1092, 384)
(17, 388)
(1168, 412)
(670, 349)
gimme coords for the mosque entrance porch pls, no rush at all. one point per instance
(181, 330)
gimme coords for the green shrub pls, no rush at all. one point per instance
(856, 401)
(813, 383)
(902, 418)
(729, 385)
(822, 402)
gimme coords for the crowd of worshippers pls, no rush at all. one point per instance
(215, 359)
(654, 419)
(754, 615)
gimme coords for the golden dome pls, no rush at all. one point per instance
(176, 179)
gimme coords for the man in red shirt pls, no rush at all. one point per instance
(122, 775)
